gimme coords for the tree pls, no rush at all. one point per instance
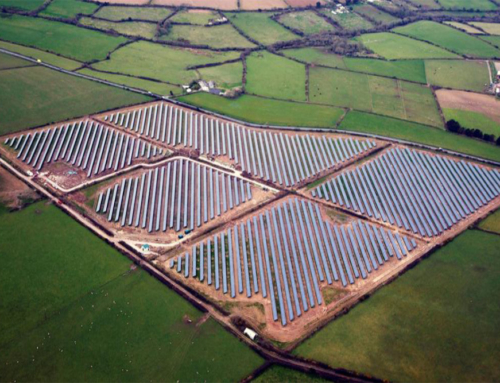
(498, 141)
(318, 5)
(453, 126)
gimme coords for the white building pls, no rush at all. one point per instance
(250, 333)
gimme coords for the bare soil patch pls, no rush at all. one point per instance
(216, 4)
(250, 5)
(303, 3)
(13, 192)
(474, 102)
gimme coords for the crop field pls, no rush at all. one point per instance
(405, 130)
(464, 27)
(473, 120)
(219, 36)
(68, 9)
(132, 28)
(349, 21)
(274, 76)
(85, 299)
(458, 74)
(439, 309)
(170, 64)
(26, 5)
(379, 95)
(393, 47)
(260, 27)
(492, 223)
(491, 28)
(194, 16)
(439, 192)
(225, 76)
(268, 112)
(116, 13)
(449, 38)
(375, 14)
(68, 40)
(36, 96)
(307, 22)
(479, 5)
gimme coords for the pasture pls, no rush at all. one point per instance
(26, 5)
(219, 36)
(375, 14)
(103, 316)
(280, 374)
(260, 27)
(350, 21)
(393, 47)
(375, 94)
(464, 27)
(67, 40)
(9, 62)
(68, 9)
(307, 22)
(476, 5)
(427, 4)
(132, 28)
(404, 130)
(458, 74)
(268, 112)
(493, 40)
(449, 38)
(115, 13)
(275, 76)
(225, 76)
(170, 64)
(491, 223)
(36, 96)
(473, 120)
(194, 16)
(441, 310)
(490, 28)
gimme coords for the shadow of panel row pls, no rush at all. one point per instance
(180, 195)
(286, 252)
(85, 144)
(285, 158)
(421, 192)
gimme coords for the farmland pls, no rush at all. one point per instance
(307, 22)
(491, 28)
(135, 28)
(492, 223)
(466, 75)
(225, 76)
(279, 374)
(349, 21)
(473, 120)
(10, 62)
(479, 5)
(68, 9)
(196, 17)
(115, 13)
(55, 37)
(26, 5)
(494, 40)
(464, 27)
(437, 308)
(375, 14)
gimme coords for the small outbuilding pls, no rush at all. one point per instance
(145, 247)
(250, 333)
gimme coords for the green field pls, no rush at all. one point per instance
(268, 112)
(274, 76)
(393, 47)
(169, 65)
(139, 13)
(473, 120)
(196, 17)
(426, 4)
(71, 307)
(46, 57)
(464, 27)
(133, 82)
(491, 28)
(491, 223)
(437, 322)
(68, 9)
(350, 21)
(220, 36)
(280, 374)
(225, 76)
(479, 5)
(9, 62)
(25, 5)
(449, 38)
(404, 130)
(307, 22)
(132, 28)
(37, 96)
(494, 40)
(375, 94)
(376, 14)
(458, 74)
(65, 39)
(260, 27)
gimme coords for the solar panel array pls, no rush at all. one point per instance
(85, 144)
(179, 195)
(286, 253)
(422, 193)
(287, 159)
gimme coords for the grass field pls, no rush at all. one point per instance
(132, 28)
(379, 95)
(479, 5)
(152, 86)
(197, 17)
(404, 130)
(464, 27)
(458, 74)
(220, 36)
(393, 47)
(25, 5)
(139, 13)
(268, 112)
(491, 28)
(36, 96)
(9, 62)
(169, 65)
(274, 76)
(494, 40)
(280, 374)
(260, 27)
(68, 9)
(307, 22)
(427, 4)
(225, 76)
(76, 310)
(449, 38)
(376, 14)
(437, 322)
(46, 57)
(473, 120)
(67, 40)
(491, 223)
(350, 21)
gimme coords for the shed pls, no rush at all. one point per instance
(145, 247)
(250, 333)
